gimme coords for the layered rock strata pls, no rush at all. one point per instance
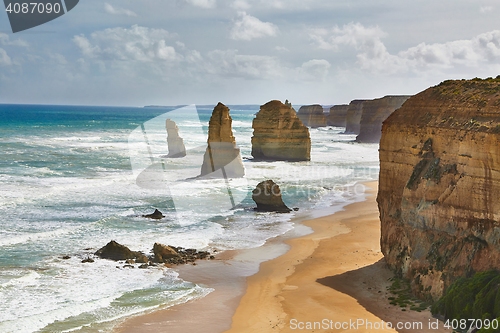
(267, 196)
(312, 115)
(353, 116)
(222, 158)
(439, 184)
(337, 115)
(278, 134)
(374, 113)
(176, 146)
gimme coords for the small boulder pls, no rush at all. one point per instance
(156, 215)
(163, 252)
(87, 260)
(267, 196)
(116, 251)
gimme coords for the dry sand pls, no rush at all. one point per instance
(332, 280)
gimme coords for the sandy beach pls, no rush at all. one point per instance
(331, 280)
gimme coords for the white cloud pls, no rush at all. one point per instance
(118, 10)
(240, 5)
(281, 48)
(485, 9)
(314, 70)
(373, 55)
(121, 44)
(4, 58)
(5, 40)
(230, 63)
(248, 27)
(202, 3)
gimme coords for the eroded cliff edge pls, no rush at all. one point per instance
(439, 184)
(374, 113)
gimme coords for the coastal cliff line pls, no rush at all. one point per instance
(439, 184)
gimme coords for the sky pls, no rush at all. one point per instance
(172, 52)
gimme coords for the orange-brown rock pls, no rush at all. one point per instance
(222, 158)
(312, 115)
(353, 116)
(337, 115)
(278, 134)
(440, 183)
(176, 146)
(375, 111)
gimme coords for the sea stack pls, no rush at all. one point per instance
(278, 134)
(267, 196)
(353, 116)
(374, 113)
(222, 158)
(176, 146)
(439, 185)
(312, 115)
(337, 115)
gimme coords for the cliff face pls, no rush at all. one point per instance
(353, 116)
(312, 115)
(374, 113)
(337, 115)
(222, 158)
(439, 184)
(176, 146)
(278, 134)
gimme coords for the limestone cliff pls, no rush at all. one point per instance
(312, 115)
(337, 115)
(175, 143)
(278, 134)
(439, 184)
(353, 116)
(374, 113)
(222, 158)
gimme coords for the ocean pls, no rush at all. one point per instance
(72, 178)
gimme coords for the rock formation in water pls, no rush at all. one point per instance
(176, 146)
(156, 215)
(353, 116)
(337, 115)
(278, 134)
(374, 113)
(440, 183)
(312, 115)
(222, 158)
(267, 196)
(116, 251)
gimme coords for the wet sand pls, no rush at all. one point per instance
(331, 280)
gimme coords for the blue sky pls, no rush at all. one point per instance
(168, 52)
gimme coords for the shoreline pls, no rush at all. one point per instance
(332, 277)
(335, 272)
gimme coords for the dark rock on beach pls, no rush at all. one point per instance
(267, 196)
(172, 255)
(115, 251)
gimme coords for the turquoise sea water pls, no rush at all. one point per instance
(69, 184)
